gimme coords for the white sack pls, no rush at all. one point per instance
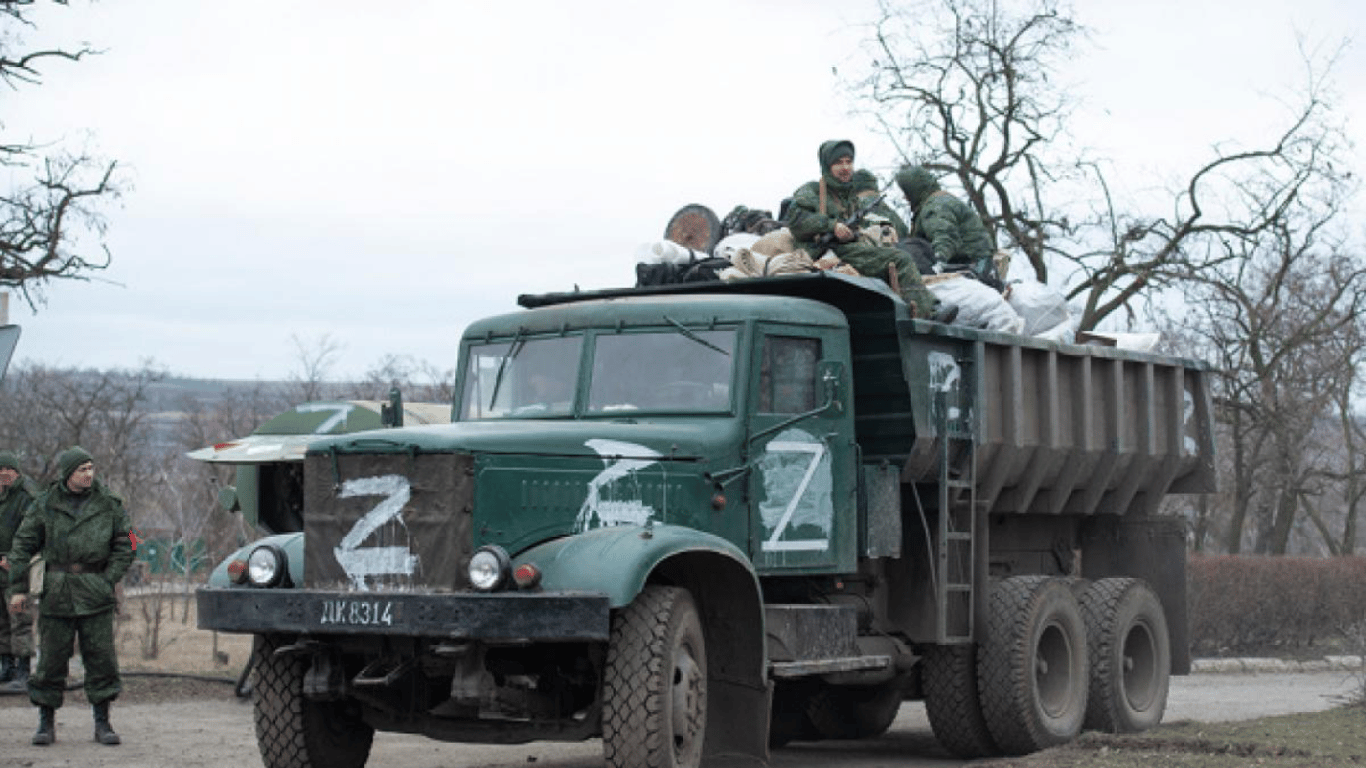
(1041, 307)
(733, 244)
(979, 305)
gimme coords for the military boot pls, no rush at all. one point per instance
(18, 682)
(104, 732)
(6, 668)
(47, 729)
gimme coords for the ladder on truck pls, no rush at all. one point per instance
(957, 536)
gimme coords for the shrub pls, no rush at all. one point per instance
(1241, 604)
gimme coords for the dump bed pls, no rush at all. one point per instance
(1058, 428)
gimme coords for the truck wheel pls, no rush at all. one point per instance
(952, 703)
(293, 732)
(1032, 676)
(854, 711)
(655, 686)
(1130, 654)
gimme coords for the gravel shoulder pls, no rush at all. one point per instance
(169, 722)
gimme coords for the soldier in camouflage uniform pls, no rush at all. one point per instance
(952, 227)
(16, 632)
(816, 220)
(81, 529)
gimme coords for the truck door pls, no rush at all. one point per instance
(802, 492)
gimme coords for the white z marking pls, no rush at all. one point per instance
(817, 451)
(358, 561)
(340, 412)
(615, 512)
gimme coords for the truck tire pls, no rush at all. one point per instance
(1032, 676)
(854, 711)
(952, 702)
(293, 732)
(655, 686)
(1130, 654)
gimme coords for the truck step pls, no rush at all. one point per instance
(790, 669)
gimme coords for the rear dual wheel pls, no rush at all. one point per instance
(1032, 675)
(1130, 655)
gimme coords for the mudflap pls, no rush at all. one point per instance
(737, 725)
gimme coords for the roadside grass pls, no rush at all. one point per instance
(1335, 737)
(181, 647)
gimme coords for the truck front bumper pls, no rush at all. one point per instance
(490, 617)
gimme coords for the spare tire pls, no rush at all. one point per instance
(694, 226)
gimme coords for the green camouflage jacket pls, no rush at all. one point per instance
(89, 529)
(13, 500)
(952, 227)
(842, 199)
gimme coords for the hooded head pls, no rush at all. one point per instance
(917, 183)
(9, 460)
(69, 460)
(832, 151)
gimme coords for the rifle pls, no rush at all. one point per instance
(826, 239)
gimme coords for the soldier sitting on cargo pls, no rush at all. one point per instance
(952, 228)
(817, 217)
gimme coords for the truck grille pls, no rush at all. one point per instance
(387, 522)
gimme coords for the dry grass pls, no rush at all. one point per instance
(180, 646)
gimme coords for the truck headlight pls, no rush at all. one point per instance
(266, 566)
(489, 568)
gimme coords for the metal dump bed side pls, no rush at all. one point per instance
(1059, 428)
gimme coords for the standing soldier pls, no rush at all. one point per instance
(81, 529)
(16, 632)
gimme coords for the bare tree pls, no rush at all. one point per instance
(1277, 319)
(315, 362)
(50, 409)
(51, 226)
(971, 89)
(418, 381)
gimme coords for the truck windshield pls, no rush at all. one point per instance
(674, 370)
(671, 371)
(523, 378)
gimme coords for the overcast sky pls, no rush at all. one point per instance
(384, 173)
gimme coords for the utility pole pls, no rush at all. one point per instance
(4, 307)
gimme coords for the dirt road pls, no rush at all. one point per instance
(217, 731)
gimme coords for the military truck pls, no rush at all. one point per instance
(704, 520)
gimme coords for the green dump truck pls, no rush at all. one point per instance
(705, 520)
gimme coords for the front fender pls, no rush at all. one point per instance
(292, 544)
(618, 560)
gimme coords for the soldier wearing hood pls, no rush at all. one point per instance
(816, 219)
(951, 226)
(81, 529)
(16, 632)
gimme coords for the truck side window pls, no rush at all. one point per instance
(787, 374)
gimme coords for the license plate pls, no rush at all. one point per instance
(358, 613)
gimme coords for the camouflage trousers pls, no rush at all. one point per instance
(16, 633)
(872, 261)
(57, 636)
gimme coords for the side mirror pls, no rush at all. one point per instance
(9, 339)
(829, 376)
